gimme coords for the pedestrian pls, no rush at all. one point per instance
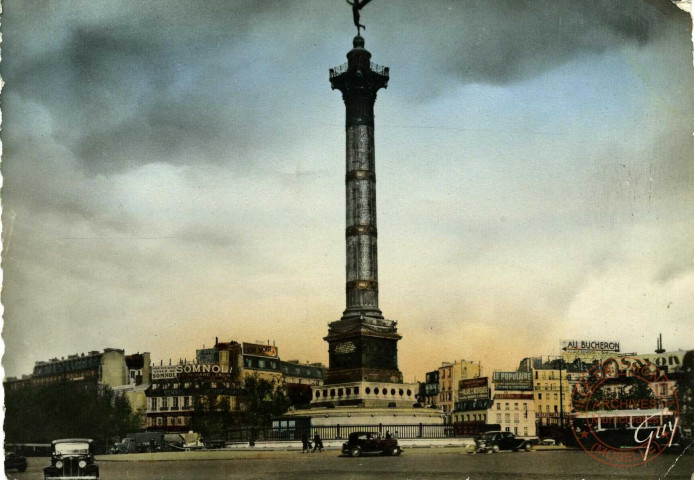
(305, 443)
(317, 443)
(396, 435)
(388, 436)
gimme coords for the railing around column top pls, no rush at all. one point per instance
(339, 70)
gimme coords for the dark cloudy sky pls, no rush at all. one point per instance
(174, 171)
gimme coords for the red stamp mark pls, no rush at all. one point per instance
(624, 412)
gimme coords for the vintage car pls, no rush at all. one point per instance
(72, 458)
(15, 461)
(360, 443)
(492, 442)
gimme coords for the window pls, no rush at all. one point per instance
(547, 408)
(555, 397)
(515, 418)
(515, 430)
(507, 406)
(555, 409)
(539, 396)
(498, 418)
(175, 403)
(515, 406)
(261, 363)
(498, 406)
(507, 418)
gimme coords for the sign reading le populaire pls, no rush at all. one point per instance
(163, 372)
(583, 345)
(513, 380)
(474, 388)
(259, 350)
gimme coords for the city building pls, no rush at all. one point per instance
(172, 401)
(552, 395)
(213, 383)
(514, 411)
(513, 403)
(471, 411)
(429, 389)
(450, 376)
(99, 368)
(138, 378)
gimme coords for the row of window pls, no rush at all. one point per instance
(156, 403)
(174, 386)
(167, 421)
(507, 406)
(552, 386)
(507, 417)
(474, 417)
(556, 397)
(253, 362)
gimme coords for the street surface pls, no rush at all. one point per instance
(420, 463)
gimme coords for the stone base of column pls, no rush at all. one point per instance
(363, 349)
(365, 394)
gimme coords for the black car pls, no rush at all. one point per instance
(14, 461)
(492, 442)
(72, 458)
(359, 443)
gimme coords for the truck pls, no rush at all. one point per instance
(140, 442)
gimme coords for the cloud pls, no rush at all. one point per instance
(174, 172)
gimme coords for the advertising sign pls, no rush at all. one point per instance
(164, 372)
(259, 350)
(474, 388)
(513, 380)
(589, 345)
(667, 362)
(473, 404)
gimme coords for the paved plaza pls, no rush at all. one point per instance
(413, 464)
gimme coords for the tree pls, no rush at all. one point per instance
(40, 414)
(211, 414)
(263, 400)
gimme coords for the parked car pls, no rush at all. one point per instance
(492, 442)
(141, 442)
(548, 441)
(360, 443)
(14, 461)
(72, 458)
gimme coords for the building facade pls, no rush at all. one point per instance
(98, 368)
(450, 376)
(514, 411)
(552, 395)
